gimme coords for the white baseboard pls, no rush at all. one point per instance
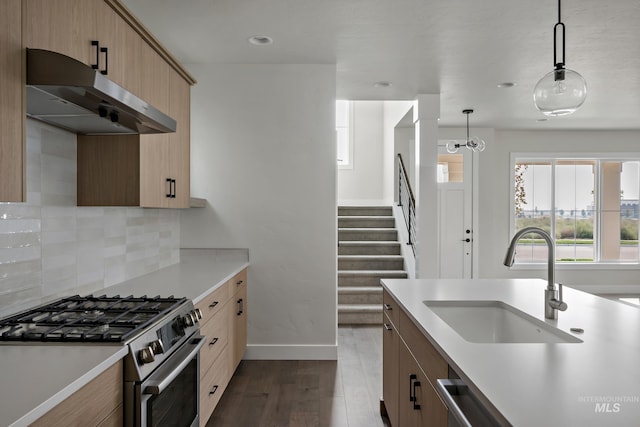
(291, 352)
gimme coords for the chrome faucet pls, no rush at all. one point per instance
(552, 296)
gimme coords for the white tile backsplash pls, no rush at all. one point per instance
(49, 247)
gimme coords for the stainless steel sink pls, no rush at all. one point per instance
(496, 322)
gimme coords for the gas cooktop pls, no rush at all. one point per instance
(87, 319)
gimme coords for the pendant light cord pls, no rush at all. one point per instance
(558, 64)
(467, 127)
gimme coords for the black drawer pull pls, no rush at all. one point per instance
(96, 43)
(240, 307)
(215, 340)
(106, 61)
(388, 327)
(213, 304)
(214, 389)
(169, 193)
(239, 282)
(388, 307)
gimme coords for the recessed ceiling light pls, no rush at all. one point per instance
(382, 84)
(260, 40)
(506, 85)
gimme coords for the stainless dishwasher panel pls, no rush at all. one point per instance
(465, 409)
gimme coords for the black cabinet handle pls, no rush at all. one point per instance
(388, 307)
(240, 307)
(416, 405)
(239, 282)
(173, 191)
(413, 383)
(214, 389)
(96, 43)
(106, 60)
(169, 193)
(388, 327)
(213, 304)
(412, 377)
(213, 341)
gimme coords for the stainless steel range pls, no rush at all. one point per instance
(161, 375)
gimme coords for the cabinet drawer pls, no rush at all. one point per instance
(390, 307)
(213, 302)
(237, 282)
(216, 331)
(433, 365)
(212, 385)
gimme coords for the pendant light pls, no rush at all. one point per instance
(472, 143)
(562, 91)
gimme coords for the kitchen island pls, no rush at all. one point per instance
(38, 377)
(592, 381)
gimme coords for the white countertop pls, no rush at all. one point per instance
(537, 384)
(35, 378)
(199, 272)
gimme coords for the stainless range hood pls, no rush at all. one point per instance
(71, 95)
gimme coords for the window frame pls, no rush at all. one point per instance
(351, 136)
(551, 157)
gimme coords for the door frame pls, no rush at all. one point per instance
(472, 171)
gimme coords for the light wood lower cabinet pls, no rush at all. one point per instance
(410, 366)
(224, 325)
(98, 403)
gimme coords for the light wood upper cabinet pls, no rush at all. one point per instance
(65, 26)
(73, 27)
(180, 141)
(12, 119)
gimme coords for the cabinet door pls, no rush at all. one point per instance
(179, 142)
(390, 370)
(11, 103)
(112, 33)
(65, 26)
(238, 324)
(155, 190)
(419, 404)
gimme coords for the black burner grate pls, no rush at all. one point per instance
(87, 319)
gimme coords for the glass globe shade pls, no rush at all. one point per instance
(476, 144)
(560, 97)
(451, 147)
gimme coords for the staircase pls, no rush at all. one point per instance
(368, 250)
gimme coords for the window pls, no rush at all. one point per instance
(590, 206)
(344, 133)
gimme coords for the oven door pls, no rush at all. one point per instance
(170, 395)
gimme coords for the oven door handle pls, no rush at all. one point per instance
(157, 386)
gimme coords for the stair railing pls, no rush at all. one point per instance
(407, 202)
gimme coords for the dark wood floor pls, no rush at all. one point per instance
(342, 393)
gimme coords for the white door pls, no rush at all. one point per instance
(455, 216)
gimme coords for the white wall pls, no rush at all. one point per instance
(494, 202)
(263, 154)
(399, 132)
(363, 184)
(51, 248)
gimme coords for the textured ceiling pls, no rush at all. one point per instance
(459, 48)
